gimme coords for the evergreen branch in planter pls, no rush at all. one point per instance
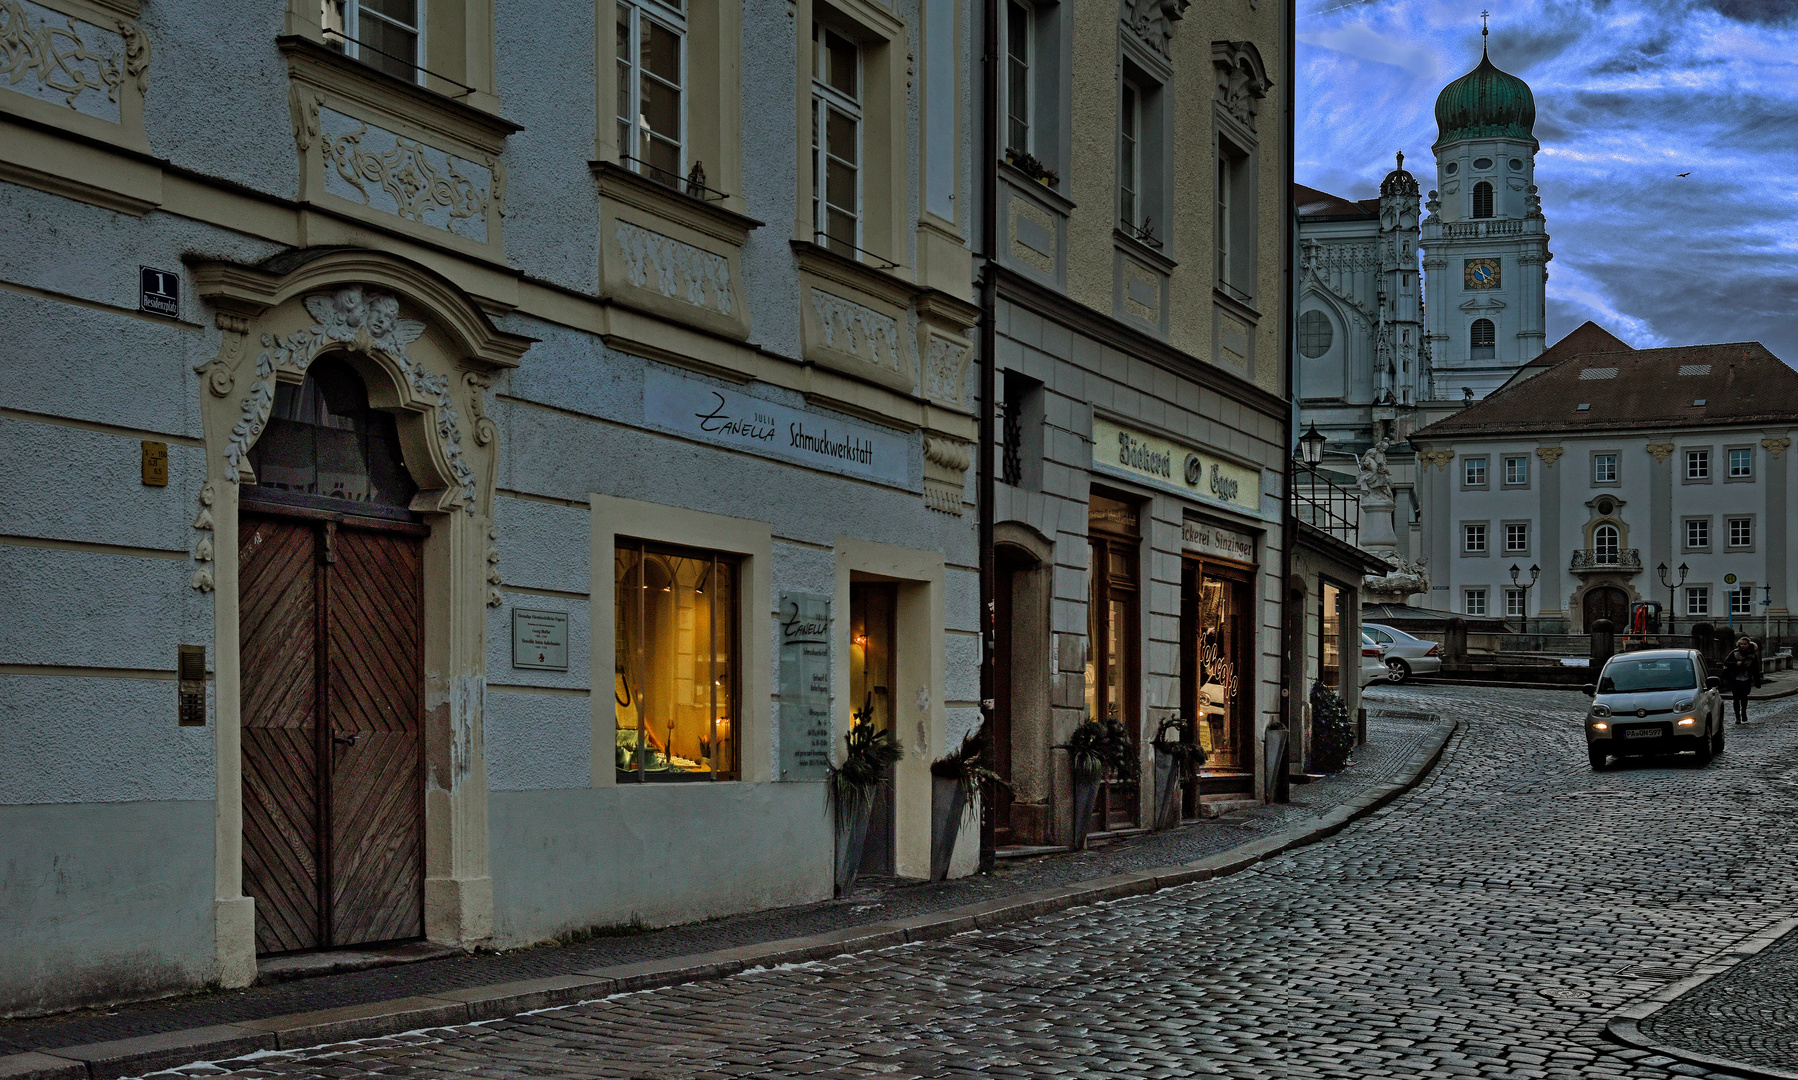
(967, 766)
(1185, 751)
(871, 751)
(1097, 745)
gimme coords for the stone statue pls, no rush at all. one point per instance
(1404, 580)
(1375, 478)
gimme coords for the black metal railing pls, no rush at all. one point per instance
(1323, 505)
(1598, 560)
(693, 184)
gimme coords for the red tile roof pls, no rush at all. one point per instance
(1682, 387)
(1588, 337)
(1313, 203)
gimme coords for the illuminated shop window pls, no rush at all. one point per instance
(676, 684)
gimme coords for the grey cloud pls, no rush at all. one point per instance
(1758, 12)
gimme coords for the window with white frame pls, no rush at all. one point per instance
(1517, 537)
(652, 68)
(1130, 136)
(1020, 48)
(1607, 545)
(1741, 532)
(1235, 203)
(1474, 473)
(1517, 471)
(1741, 600)
(1604, 468)
(836, 141)
(1698, 464)
(1698, 533)
(1698, 600)
(1741, 463)
(1514, 600)
(1474, 538)
(1474, 601)
(387, 35)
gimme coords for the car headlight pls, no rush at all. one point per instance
(1681, 706)
(1600, 725)
(1601, 710)
(1687, 721)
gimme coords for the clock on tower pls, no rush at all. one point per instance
(1481, 274)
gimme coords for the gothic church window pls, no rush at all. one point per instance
(1482, 200)
(1482, 340)
(1315, 334)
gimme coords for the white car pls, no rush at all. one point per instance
(1405, 655)
(1373, 660)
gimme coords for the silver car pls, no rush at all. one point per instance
(1405, 655)
(1658, 701)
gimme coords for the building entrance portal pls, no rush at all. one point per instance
(330, 608)
(1606, 602)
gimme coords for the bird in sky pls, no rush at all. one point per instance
(1685, 174)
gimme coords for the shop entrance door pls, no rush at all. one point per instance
(1217, 634)
(873, 609)
(330, 608)
(1113, 670)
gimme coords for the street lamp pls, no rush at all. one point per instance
(1311, 446)
(1672, 589)
(1516, 572)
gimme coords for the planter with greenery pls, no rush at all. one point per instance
(1177, 754)
(852, 786)
(953, 779)
(1332, 733)
(1095, 747)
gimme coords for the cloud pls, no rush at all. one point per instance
(1629, 93)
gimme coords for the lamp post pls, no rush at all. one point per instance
(1516, 572)
(1311, 447)
(1672, 590)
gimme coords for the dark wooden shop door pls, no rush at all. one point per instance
(1607, 602)
(332, 734)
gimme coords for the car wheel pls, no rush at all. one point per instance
(1707, 749)
(1400, 671)
(1717, 741)
(1596, 757)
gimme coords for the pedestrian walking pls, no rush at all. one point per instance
(1738, 674)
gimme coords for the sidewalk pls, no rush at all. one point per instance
(131, 1039)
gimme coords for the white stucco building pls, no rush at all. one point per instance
(1606, 468)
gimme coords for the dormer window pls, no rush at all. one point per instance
(1482, 200)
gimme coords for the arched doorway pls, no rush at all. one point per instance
(331, 623)
(1606, 602)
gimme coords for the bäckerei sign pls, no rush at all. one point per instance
(730, 418)
(1183, 470)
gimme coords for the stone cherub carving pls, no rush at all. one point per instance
(1375, 478)
(352, 315)
(1154, 20)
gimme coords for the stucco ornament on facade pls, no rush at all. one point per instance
(859, 331)
(1661, 451)
(68, 61)
(405, 177)
(945, 368)
(1153, 20)
(361, 321)
(1438, 458)
(203, 552)
(1776, 447)
(946, 464)
(1550, 454)
(675, 269)
(1241, 80)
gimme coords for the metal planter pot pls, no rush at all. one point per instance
(1167, 791)
(948, 799)
(852, 839)
(1086, 792)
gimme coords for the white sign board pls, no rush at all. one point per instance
(719, 415)
(1204, 538)
(540, 640)
(1183, 470)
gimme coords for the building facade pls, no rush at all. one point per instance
(1141, 344)
(445, 391)
(1616, 478)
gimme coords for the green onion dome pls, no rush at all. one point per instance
(1486, 103)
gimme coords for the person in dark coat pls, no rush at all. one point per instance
(1738, 674)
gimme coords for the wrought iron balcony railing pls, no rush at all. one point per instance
(1319, 503)
(1597, 561)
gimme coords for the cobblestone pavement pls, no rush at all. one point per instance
(1391, 741)
(1485, 925)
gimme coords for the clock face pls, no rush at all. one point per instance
(1481, 274)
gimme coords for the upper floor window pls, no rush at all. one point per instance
(1604, 468)
(1517, 537)
(1698, 533)
(1019, 60)
(1474, 472)
(1741, 601)
(1607, 545)
(1235, 202)
(1315, 334)
(836, 141)
(1473, 538)
(651, 90)
(1698, 600)
(1741, 463)
(1698, 464)
(1482, 340)
(387, 35)
(1517, 470)
(1130, 158)
(1482, 200)
(1741, 532)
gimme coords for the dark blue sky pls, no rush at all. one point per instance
(1629, 93)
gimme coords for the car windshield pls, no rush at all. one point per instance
(1642, 676)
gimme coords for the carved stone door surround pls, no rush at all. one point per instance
(427, 355)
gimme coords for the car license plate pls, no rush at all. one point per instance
(1642, 733)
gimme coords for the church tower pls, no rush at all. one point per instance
(1485, 241)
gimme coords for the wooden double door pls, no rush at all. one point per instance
(333, 794)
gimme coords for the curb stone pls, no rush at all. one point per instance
(131, 1057)
(1624, 1027)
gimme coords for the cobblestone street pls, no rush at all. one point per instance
(1487, 924)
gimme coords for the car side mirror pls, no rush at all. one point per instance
(1589, 690)
(1606, 686)
(1711, 682)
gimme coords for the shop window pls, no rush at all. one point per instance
(1115, 536)
(652, 70)
(1332, 621)
(836, 141)
(324, 447)
(676, 680)
(873, 626)
(1216, 603)
(387, 35)
(1482, 340)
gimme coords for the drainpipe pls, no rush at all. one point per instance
(1288, 317)
(986, 156)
